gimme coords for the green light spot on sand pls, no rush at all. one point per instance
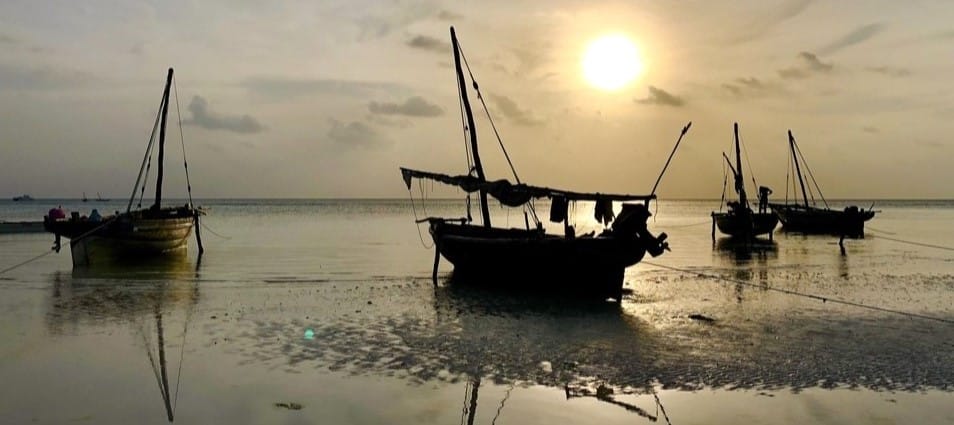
(309, 334)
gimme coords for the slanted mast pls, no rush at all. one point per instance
(478, 167)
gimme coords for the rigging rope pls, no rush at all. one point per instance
(410, 196)
(803, 294)
(493, 125)
(146, 155)
(748, 163)
(182, 139)
(811, 175)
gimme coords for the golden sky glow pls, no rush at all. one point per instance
(611, 62)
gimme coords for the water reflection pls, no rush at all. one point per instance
(141, 296)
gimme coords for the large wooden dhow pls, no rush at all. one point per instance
(740, 221)
(137, 234)
(529, 258)
(812, 219)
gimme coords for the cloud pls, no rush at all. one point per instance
(810, 64)
(446, 15)
(751, 87)
(514, 113)
(859, 35)
(890, 71)
(284, 88)
(355, 134)
(414, 107)
(203, 117)
(8, 39)
(766, 23)
(658, 96)
(384, 19)
(870, 129)
(43, 78)
(424, 42)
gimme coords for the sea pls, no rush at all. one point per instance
(324, 312)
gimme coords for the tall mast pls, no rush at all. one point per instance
(162, 138)
(739, 181)
(791, 145)
(484, 209)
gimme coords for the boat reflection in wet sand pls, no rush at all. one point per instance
(144, 296)
(134, 234)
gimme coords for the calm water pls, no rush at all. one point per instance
(324, 312)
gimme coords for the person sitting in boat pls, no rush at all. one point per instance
(764, 193)
(94, 216)
(632, 221)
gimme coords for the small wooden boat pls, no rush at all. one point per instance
(811, 219)
(590, 266)
(135, 234)
(23, 197)
(740, 221)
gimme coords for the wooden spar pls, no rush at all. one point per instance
(472, 409)
(484, 209)
(162, 139)
(684, 130)
(739, 181)
(791, 144)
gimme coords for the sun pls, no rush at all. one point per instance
(611, 62)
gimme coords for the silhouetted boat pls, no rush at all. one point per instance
(23, 197)
(100, 198)
(807, 218)
(85, 199)
(134, 234)
(740, 220)
(590, 265)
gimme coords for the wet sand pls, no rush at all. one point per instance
(326, 313)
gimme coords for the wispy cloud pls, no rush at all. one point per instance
(856, 36)
(384, 19)
(203, 117)
(446, 15)
(809, 65)
(8, 39)
(43, 78)
(764, 24)
(355, 134)
(282, 88)
(514, 113)
(658, 96)
(414, 107)
(751, 87)
(890, 71)
(432, 44)
(870, 129)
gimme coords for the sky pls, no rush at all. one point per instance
(306, 99)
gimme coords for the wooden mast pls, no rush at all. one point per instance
(162, 139)
(484, 209)
(739, 181)
(791, 144)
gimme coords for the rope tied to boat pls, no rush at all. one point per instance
(821, 298)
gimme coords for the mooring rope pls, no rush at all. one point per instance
(206, 227)
(803, 294)
(927, 245)
(28, 261)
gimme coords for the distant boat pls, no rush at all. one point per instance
(805, 218)
(520, 259)
(23, 197)
(135, 234)
(740, 220)
(85, 199)
(100, 198)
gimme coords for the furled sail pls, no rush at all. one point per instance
(514, 195)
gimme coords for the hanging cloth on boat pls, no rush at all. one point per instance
(558, 209)
(603, 212)
(509, 194)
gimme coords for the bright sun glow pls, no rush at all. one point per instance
(611, 62)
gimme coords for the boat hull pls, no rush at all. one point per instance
(800, 219)
(128, 238)
(530, 260)
(740, 226)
